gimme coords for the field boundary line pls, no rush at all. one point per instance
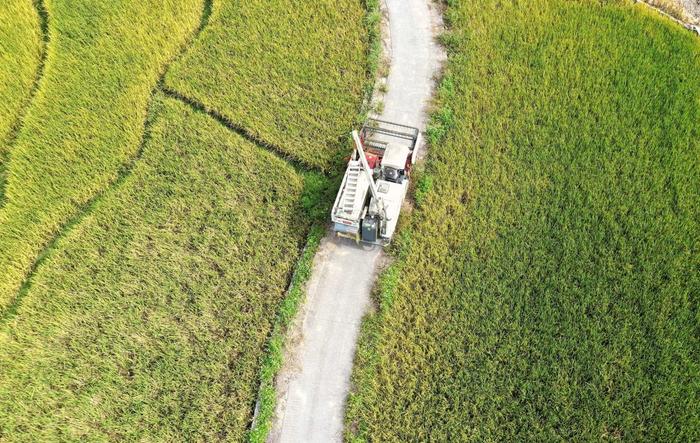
(43, 15)
(273, 359)
(124, 172)
(237, 129)
(689, 26)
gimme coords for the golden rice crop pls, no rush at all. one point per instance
(20, 57)
(145, 247)
(86, 121)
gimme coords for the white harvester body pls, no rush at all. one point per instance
(375, 183)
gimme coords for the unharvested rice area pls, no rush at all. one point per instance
(289, 73)
(20, 56)
(148, 320)
(547, 286)
(87, 120)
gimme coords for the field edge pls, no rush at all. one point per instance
(264, 408)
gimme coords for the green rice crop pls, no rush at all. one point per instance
(87, 119)
(148, 320)
(547, 286)
(20, 53)
(289, 73)
(20, 57)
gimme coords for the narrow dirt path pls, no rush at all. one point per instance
(313, 385)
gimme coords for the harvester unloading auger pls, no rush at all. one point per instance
(369, 201)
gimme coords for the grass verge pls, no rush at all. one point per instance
(148, 320)
(87, 120)
(545, 289)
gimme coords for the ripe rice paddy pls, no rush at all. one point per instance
(20, 58)
(292, 78)
(148, 320)
(87, 120)
(546, 288)
(146, 247)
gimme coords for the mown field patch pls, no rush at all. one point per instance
(20, 56)
(289, 73)
(546, 289)
(87, 120)
(149, 319)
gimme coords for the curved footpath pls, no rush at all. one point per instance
(314, 383)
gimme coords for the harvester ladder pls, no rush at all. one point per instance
(350, 192)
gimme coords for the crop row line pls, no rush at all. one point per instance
(238, 129)
(122, 175)
(43, 15)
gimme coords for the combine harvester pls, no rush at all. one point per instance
(368, 204)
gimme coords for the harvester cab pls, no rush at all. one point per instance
(374, 186)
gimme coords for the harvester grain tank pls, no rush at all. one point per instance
(375, 183)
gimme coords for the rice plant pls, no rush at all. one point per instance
(546, 289)
(148, 320)
(289, 73)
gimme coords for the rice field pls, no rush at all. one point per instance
(87, 120)
(148, 320)
(291, 78)
(20, 57)
(546, 288)
(147, 240)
